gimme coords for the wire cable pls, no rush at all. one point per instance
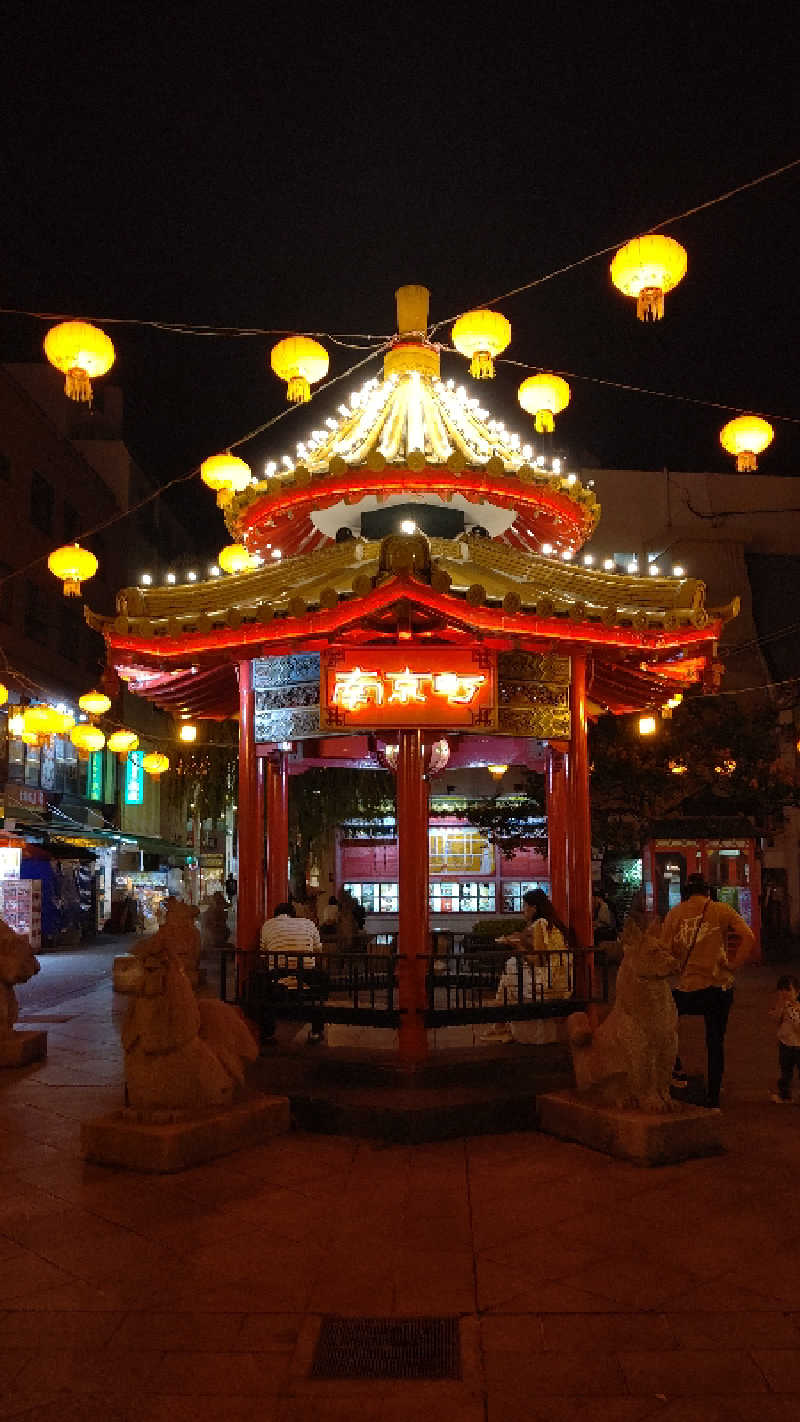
(191, 473)
(613, 246)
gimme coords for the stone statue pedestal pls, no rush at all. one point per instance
(643, 1137)
(124, 969)
(20, 1048)
(163, 1146)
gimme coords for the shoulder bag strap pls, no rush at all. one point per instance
(694, 937)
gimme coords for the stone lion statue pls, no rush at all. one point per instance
(181, 1054)
(17, 965)
(181, 932)
(627, 1061)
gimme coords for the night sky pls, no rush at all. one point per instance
(262, 168)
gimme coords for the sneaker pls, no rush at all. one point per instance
(314, 1038)
(679, 1081)
(780, 1100)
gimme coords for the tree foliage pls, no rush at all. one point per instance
(731, 756)
(506, 823)
(204, 776)
(321, 799)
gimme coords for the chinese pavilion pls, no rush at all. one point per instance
(414, 594)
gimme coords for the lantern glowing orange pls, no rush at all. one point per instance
(480, 336)
(188, 732)
(94, 703)
(155, 763)
(41, 720)
(497, 771)
(544, 397)
(300, 362)
(64, 723)
(746, 436)
(646, 268)
(123, 741)
(3, 694)
(73, 565)
(82, 352)
(226, 474)
(86, 738)
(235, 559)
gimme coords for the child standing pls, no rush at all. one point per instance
(787, 1015)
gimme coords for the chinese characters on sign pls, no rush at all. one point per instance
(390, 687)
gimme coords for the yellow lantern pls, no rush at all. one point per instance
(3, 694)
(544, 397)
(82, 352)
(646, 268)
(41, 720)
(155, 763)
(480, 336)
(226, 474)
(16, 724)
(647, 725)
(94, 703)
(123, 741)
(300, 362)
(30, 738)
(188, 731)
(86, 737)
(65, 722)
(746, 436)
(235, 559)
(73, 565)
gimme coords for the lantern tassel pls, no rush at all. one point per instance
(746, 462)
(482, 366)
(298, 391)
(79, 386)
(71, 588)
(544, 422)
(650, 305)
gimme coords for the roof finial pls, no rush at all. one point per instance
(412, 310)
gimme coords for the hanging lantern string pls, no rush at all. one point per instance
(346, 339)
(613, 246)
(638, 389)
(194, 471)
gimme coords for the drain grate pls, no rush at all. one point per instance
(387, 1348)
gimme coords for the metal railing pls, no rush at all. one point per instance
(358, 988)
(491, 986)
(361, 988)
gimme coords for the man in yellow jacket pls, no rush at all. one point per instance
(710, 942)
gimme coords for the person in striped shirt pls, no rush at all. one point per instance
(285, 933)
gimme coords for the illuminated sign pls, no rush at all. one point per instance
(96, 775)
(456, 849)
(409, 686)
(134, 778)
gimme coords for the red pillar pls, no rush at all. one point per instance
(247, 916)
(413, 937)
(557, 831)
(262, 845)
(580, 828)
(277, 831)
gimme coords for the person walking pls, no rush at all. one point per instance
(787, 1015)
(702, 935)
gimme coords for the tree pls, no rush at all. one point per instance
(510, 824)
(202, 779)
(319, 800)
(714, 756)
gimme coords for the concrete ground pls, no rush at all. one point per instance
(585, 1288)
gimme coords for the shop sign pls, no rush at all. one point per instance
(407, 687)
(28, 797)
(96, 775)
(458, 849)
(134, 778)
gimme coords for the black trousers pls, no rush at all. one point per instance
(788, 1059)
(713, 1004)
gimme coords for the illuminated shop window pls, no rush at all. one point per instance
(514, 891)
(464, 896)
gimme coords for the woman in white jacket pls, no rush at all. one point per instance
(539, 969)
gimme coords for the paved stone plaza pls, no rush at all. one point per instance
(586, 1287)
